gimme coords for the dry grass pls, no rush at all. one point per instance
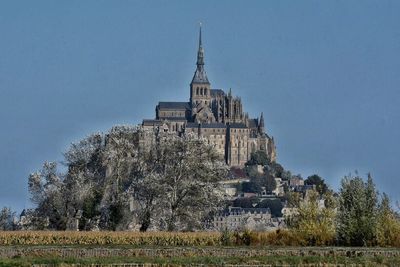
(109, 238)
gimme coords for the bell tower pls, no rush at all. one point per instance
(200, 94)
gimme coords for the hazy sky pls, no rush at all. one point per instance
(326, 74)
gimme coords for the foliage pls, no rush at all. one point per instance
(314, 223)
(258, 158)
(189, 172)
(226, 237)
(275, 205)
(115, 182)
(245, 202)
(7, 219)
(388, 226)
(46, 188)
(357, 213)
(259, 181)
(275, 169)
(251, 187)
(319, 183)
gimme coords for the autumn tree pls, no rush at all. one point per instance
(388, 226)
(314, 219)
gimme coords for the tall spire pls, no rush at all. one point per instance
(261, 123)
(200, 36)
(200, 52)
(200, 75)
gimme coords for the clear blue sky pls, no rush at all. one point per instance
(326, 74)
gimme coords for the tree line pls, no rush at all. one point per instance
(113, 182)
(136, 179)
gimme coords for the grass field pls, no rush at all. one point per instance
(24, 255)
(210, 261)
(177, 249)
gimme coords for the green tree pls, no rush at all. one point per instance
(269, 183)
(275, 169)
(251, 187)
(357, 213)
(319, 183)
(275, 205)
(245, 202)
(258, 158)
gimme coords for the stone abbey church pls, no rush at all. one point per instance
(215, 115)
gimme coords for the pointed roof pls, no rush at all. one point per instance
(200, 75)
(261, 123)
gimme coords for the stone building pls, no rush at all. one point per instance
(235, 218)
(215, 115)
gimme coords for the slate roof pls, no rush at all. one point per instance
(174, 105)
(238, 125)
(215, 92)
(213, 125)
(151, 122)
(200, 76)
(174, 118)
(253, 123)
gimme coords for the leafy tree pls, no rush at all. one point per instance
(269, 183)
(388, 226)
(245, 202)
(254, 186)
(315, 224)
(258, 158)
(7, 219)
(286, 175)
(190, 170)
(319, 183)
(275, 205)
(85, 182)
(274, 169)
(257, 183)
(46, 188)
(357, 213)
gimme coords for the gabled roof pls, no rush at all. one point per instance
(174, 105)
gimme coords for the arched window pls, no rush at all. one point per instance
(205, 91)
(201, 91)
(197, 90)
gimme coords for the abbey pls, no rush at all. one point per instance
(217, 116)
